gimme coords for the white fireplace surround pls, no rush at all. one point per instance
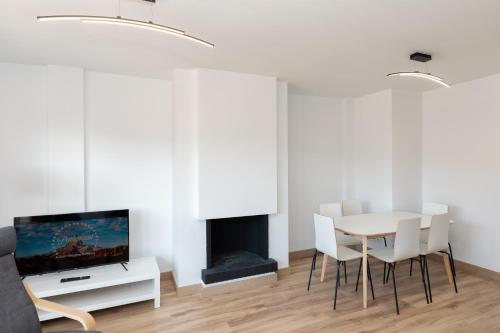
(236, 138)
(230, 160)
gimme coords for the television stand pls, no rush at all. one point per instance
(109, 286)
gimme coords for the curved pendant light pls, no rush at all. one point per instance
(427, 76)
(422, 57)
(118, 20)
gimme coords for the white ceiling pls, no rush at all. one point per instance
(321, 47)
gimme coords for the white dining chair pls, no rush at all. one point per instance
(334, 210)
(351, 207)
(354, 207)
(431, 208)
(326, 243)
(435, 209)
(406, 246)
(437, 242)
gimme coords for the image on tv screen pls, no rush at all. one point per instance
(61, 242)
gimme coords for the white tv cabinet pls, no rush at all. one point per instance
(108, 286)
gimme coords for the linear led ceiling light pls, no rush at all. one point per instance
(118, 20)
(421, 57)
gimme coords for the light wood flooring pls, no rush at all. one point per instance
(286, 306)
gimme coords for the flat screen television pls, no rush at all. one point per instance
(52, 243)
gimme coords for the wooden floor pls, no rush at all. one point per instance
(288, 307)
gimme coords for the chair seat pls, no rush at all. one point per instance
(346, 240)
(346, 254)
(383, 253)
(424, 251)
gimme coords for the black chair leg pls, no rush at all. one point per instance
(337, 283)
(411, 265)
(340, 272)
(453, 275)
(428, 280)
(394, 284)
(370, 278)
(359, 272)
(383, 277)
(452, 260)
(345, 272)
(420, 262)
(389, 272)
(385, 241)
(313, 265)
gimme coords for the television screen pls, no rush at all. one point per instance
(60, 242)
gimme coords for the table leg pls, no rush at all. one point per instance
(365, 272)
(323, 267)
(447, 268)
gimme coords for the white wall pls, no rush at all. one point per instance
(52, 118)
(315, 162)
(23, 142)
(382, 150)
(237, 147)
(367, 131)
(366, 148)
(406, 150)
(68, 138)
(461, 163)
(41, 170)
(65, 140)
(128, 136)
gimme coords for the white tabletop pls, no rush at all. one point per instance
(376, 224)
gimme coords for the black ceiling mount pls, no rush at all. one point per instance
(150, 0)
(421, 57)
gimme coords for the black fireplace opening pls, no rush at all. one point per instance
(237, 247)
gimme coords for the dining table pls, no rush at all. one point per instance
(377, 225)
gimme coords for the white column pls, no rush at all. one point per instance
(278, 223)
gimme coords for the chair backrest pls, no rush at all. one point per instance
(407, 240)
(17, 312)
(332, 210)
(351, 207)
(431, 208)
(324, 230)
(438, 233)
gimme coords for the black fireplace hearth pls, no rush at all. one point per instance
(237, 247)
